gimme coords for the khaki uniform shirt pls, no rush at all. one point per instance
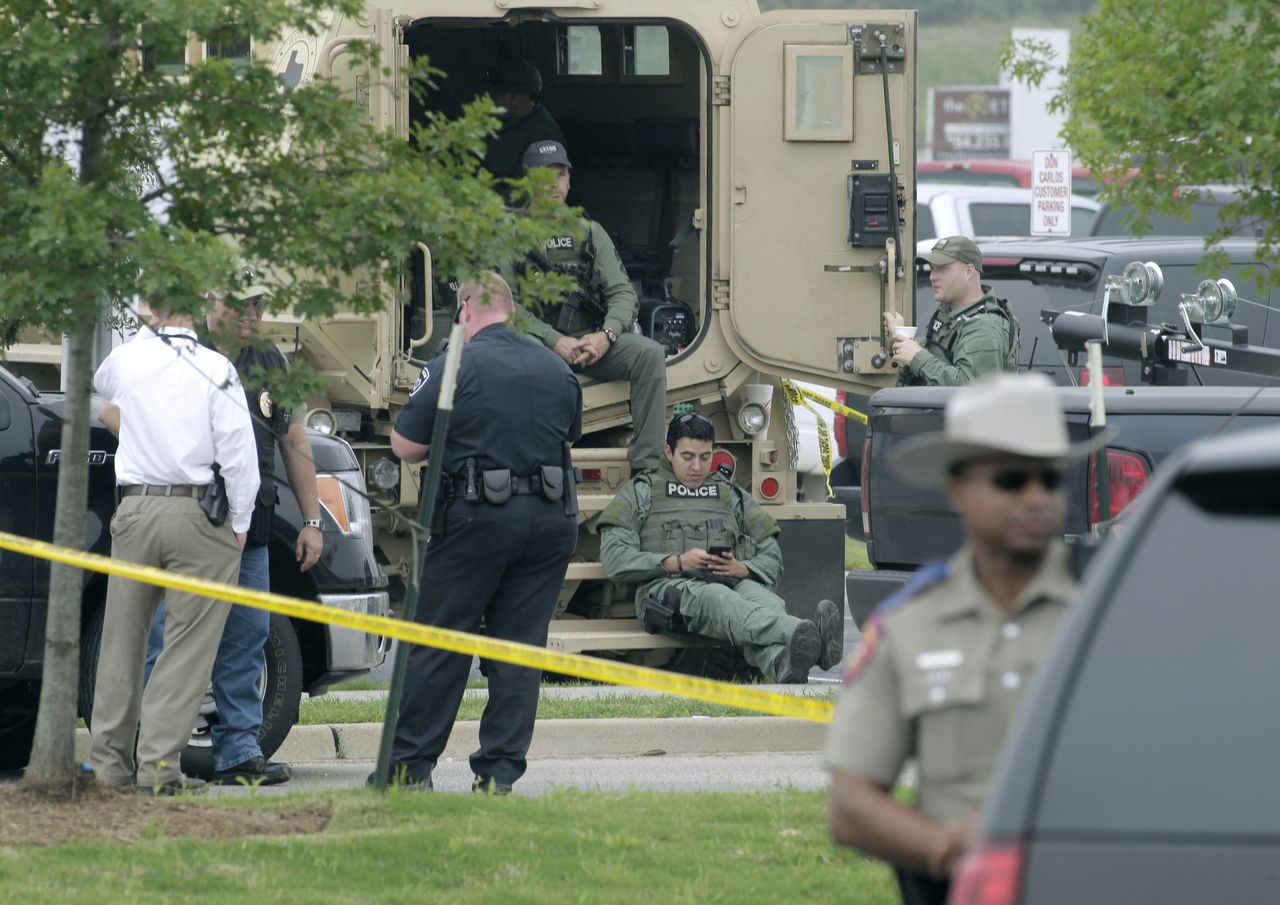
(938, 678)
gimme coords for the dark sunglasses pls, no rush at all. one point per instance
(1014, 480)
(692, 416)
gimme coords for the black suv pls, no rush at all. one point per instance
(1142, 766)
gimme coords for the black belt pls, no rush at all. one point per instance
(520, 484)
(191, 490)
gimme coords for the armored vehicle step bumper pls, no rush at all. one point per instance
(577, 635)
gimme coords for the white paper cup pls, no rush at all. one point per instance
(905, 332)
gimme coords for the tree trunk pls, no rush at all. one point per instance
(53, 763)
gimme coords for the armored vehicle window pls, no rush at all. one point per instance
(819, 104)
(580, 51)
(646, 51)
(1179, 678)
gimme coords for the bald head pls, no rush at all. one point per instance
(483, 302)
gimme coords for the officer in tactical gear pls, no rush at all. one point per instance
(591, 329)
(502, 534)
(514, 85)
(706, 557)
(971, 335)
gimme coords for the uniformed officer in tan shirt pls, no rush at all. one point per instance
(944, 661)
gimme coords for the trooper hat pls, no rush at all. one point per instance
(545, 153)
(514, 75)
(1017, 414)
(954, 248)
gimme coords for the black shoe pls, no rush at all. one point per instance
(256, 771)
(799, 656)
(401, 778)
(827, 619)
(487, 785)
(185, 785)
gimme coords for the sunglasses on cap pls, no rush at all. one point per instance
(692, 416)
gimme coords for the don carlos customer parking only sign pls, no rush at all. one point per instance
(1051, 193)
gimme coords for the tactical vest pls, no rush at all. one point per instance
(582, 310)
(270, 422)
(940, 338)
(681, 518)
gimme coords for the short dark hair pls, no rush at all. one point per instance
(694, 425)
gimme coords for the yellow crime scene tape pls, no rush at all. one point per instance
(798, 395)
(591, 668)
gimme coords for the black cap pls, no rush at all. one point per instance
(515, 76)
(544, 154)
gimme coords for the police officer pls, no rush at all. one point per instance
(500, 542)
(241, 653)
(178, 409)
(591, 329)
(514, 85)
(945, 660)
(707, 558)
(971, 335)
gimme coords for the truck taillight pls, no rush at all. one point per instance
(1127, 476)
(866, 489)
(840, 428)
(1111, 377)
(989, 876)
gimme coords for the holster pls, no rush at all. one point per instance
(572, 477)
(662, 615)
(215, 504)
(444, 497)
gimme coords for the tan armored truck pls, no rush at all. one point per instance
(756, 171)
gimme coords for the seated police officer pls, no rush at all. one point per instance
(591, 328)
(706, 557)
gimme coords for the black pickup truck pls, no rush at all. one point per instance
(301, 656)
(1167, 381)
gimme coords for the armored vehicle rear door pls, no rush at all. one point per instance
(806, 199)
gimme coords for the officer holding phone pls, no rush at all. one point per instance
(706, 557)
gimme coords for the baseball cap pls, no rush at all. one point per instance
(954, 248)
(544, 154)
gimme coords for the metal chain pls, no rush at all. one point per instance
(793, 435)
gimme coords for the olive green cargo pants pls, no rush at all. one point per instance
(642, 362)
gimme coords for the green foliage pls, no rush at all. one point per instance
(1160, 94)
(118, 180)
(409, 847)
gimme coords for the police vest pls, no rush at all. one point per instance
(681, 518)
(940, 338)
(584, 309)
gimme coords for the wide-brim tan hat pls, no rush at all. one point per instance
(1011, 414)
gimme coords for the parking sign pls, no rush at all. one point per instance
(1051, 192)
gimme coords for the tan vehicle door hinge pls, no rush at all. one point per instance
(720, 295)
(720, 91)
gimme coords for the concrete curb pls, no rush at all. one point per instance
(569, 738)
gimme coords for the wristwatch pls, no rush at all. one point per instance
(610, 335)
(313, 523)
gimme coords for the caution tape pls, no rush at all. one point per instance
(798, 395)
(595, 669)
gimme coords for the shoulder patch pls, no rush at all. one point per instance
(422, 378)
(925, 577)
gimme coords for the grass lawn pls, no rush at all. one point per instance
(855, 554)
(325, 710)
(567, 847)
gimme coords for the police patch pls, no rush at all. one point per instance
(422, 379)
(264, 403)
(706, 491)
(560, 242)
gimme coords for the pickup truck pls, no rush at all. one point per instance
(301, 656)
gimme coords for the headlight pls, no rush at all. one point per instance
(384, 475)
(752, 418)
(321, 420)
(341, 497)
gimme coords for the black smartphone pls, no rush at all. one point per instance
(720, 550)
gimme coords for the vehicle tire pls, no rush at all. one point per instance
(281, 688)
(18, 706)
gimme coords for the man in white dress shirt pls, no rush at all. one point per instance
(178, 409)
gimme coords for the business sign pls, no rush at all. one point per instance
(1051, 192)
(969, 122)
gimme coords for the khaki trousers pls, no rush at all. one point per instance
(173, 534)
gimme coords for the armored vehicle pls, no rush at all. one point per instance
(756, 171)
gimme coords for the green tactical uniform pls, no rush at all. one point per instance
(654, 516)
(606, 300)
(940, 673)
(965, 344)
